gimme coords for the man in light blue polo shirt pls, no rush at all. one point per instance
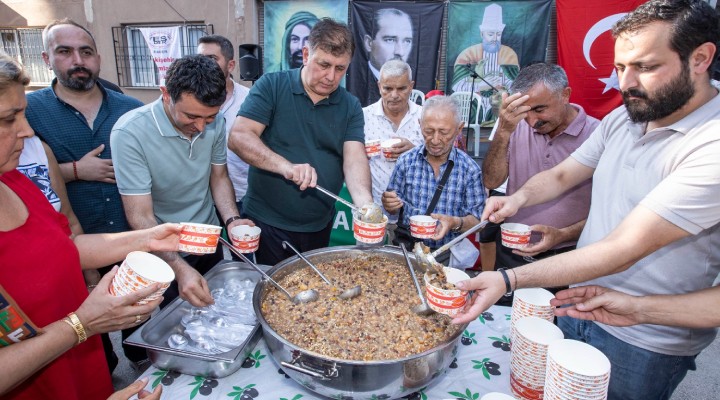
(169, 159)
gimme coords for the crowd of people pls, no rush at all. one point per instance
(626, 209)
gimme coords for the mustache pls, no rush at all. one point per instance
(539, 124)
(79, 69)
(634, 93)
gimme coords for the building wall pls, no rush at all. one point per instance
(234, 19)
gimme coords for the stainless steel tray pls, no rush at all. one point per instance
(154, 335)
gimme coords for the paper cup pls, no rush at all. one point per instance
(138, 271)
(581, 359)
(423, 226)
(386, 147)
(199, 238)
(447, 301)
(372, 148)
(245, 238)
(367, 232)
(515, 236)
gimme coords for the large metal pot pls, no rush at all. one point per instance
(343, 379)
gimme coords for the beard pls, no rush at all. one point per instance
(491, 47)
(646, 107)
(82, 84)
(296, 59)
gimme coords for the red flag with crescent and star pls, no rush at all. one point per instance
(586, 51)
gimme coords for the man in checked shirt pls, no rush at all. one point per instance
(419, 170)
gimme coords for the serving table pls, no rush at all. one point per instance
(482, 366)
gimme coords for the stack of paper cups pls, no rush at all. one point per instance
(138, 271)
(531, 303)
(529, 356)
(576, 370)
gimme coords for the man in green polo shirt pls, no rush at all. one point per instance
(296, 129)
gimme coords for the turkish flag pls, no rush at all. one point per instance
(586, 51)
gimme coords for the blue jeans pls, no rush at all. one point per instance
(635, 373)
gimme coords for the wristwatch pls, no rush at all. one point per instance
(458, 228)
(231, 219)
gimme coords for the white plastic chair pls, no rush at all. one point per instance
(417, 97)
(465, 99)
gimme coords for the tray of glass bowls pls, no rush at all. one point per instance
(210, 341)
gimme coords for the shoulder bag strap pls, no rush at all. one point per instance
(439, 188)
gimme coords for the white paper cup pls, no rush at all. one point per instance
(447, 301)
(368, 232)
(245, 238)
(386, 147)
(538, 331)
(423, 226)
(579, 358)
(515, 236)
(372, 148)
(199, 238)
(536, 297)
(140, 270)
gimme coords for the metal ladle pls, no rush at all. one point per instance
(423, 308)
(372, 214)
(306, 296)
(427, 261)
(347, 294)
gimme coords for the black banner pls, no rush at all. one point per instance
(385, 30)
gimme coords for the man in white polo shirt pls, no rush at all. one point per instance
(654, 222)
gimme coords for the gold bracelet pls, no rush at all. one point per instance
(77, 326)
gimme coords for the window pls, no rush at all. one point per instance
(25, 45)
(135, 66)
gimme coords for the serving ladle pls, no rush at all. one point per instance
(306, 296)
(371, 214)
(423, 308)
(427, 259)
(347, 294)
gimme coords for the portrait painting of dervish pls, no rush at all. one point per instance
(491, 42)
(287, 25)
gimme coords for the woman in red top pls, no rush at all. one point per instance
(41, 266)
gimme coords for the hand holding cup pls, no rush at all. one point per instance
(103, 312)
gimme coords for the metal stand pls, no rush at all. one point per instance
(474, 76)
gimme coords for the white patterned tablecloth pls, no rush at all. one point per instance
(482, 366)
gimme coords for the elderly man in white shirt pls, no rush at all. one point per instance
(394, 116)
